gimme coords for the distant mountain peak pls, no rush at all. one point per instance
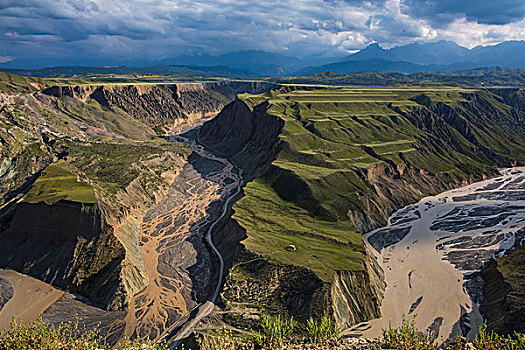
(373, 48)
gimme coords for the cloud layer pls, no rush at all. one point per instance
(37, 32)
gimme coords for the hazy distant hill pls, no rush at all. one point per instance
(175, 70)
(374, 64)
(411, 58)
(508, 53)
(237, 63)
(487, 76)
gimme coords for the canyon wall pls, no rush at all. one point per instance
(502, 295)
(276, 143)
(68, 245)
(93, 249)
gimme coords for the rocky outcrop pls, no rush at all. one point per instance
(68, 245)
(357, 295)
(503, 293)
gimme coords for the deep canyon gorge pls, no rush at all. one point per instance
(362, 202)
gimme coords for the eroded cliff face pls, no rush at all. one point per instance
(395, 186)
(66, 244)
(151, 104)
(357, 295)
(502, 295)
(161, 105)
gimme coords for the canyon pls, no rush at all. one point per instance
(160, 208)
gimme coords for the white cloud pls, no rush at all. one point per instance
(5, 59)
(470, 34)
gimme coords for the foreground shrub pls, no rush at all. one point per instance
(274, 332)
(42, 336)
(407, 337)
(223, 342)
(66, 336)
(323, 330)
(489, 340)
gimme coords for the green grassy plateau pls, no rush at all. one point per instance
(331, 137)
(57, 183)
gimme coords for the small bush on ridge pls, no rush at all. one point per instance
(323, 330)
(274, 332)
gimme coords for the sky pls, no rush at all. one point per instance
(36, 33)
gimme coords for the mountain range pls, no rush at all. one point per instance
(428, 57)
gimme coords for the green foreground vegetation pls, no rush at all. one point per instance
(273, 333)
(39, 335)
(278, 334)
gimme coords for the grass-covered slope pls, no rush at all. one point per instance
(334, 140)
(57, 183)
(342, 161)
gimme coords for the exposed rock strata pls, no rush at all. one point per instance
(503, 293)
(357, 295)
(68, 245)
(161, 104)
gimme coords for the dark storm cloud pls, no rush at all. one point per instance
(442, 12)
(143, 31)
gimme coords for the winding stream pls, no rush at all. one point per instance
(176, 240)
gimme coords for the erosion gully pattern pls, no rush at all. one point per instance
(430, 250)
(177, 260)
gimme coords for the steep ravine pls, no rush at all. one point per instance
(251, 134)
(68, 123)
(250, 137)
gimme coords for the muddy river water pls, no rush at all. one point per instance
(430, 250)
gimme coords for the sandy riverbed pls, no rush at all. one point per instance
(429, 250)
(31, 297)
